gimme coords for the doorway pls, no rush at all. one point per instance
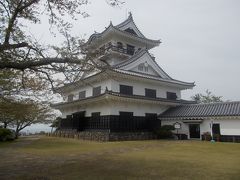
(194, 130)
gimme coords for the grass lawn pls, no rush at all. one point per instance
(46, 158)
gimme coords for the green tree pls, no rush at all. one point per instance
(22, 113)
(208, 97)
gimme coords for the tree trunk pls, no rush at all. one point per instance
(17, 132)
(16, 135)
(5, 125)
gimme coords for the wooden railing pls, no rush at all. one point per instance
(117, 49)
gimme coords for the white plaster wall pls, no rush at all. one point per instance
(103, 108)
(113, 108)
(139, 88)
(114, 85)
(88, 88)
(138, 109)
(227, 126)
(150, 71)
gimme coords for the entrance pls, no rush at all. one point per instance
(194, 130)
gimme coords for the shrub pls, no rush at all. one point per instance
(165, 132)
(6, 134)
(207, 136)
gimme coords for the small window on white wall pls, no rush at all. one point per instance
(146, 66)
(140, 67)
(70, 97)
(145, 69)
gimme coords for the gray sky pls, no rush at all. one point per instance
(200, 38)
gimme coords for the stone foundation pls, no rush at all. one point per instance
(130, 136)
(104, 135)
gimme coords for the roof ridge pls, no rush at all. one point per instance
(212, 103)
(231, 108)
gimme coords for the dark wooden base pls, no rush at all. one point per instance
(112, 123)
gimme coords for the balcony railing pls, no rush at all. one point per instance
(128, 51)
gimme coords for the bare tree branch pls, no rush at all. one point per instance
(29, 64)
(12, 46)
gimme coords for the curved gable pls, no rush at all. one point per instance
(143, 63)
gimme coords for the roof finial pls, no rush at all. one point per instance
(130, 15)
(111, 23)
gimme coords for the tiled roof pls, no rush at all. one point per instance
(154, 77)
(116, 29)
(203, 110)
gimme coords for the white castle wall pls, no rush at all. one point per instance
(114, 85)
(113, 108)
(139, 88)
(88, 87)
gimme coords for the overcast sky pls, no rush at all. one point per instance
(200, 38)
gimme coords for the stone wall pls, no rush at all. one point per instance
(104, 135)
(84, 135)
(129, 136)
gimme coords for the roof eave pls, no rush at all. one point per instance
(94, 39)
(109, 95)
(181, 84)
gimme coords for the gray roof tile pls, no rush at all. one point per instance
(203, 110)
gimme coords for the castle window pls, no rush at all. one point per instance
(130, 49)
(82, 94)
(171, 95)
(150, 93)
(140, 67)
(70, 97)
(146, 66)
(145, 69)
(96, 91)
(128, 90)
